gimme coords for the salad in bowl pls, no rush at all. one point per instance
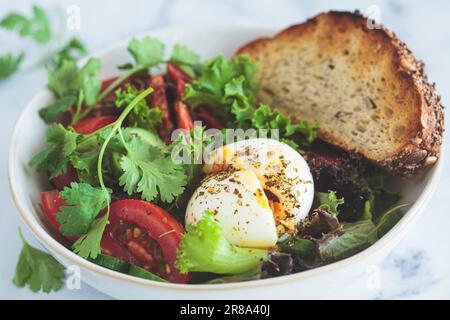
(176, 171)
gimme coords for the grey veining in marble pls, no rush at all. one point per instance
(419, 267)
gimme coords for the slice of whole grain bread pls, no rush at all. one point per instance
(364, 87)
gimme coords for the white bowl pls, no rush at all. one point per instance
(26, 185)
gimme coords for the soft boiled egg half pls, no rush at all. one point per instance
(258, 189)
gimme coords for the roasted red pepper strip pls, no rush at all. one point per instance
(179, 78)
(207, 118)
(89, 125)
(158, 99)
(184, 120)
(182, 116)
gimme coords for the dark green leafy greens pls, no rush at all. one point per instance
(354, 238)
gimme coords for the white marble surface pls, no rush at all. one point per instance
(419, 267)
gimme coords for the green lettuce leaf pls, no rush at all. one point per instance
(204, 248)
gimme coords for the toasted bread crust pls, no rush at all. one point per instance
(426, 130)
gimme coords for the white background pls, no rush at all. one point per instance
(417, 268)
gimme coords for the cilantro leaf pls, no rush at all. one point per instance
(84, 204)
(67, 79)
(88, 245)
(329, 202)
(84, 159)
(64, 80)
(37, 269)
(53, 111)
(142, 115)
(9, 64)
(54, 158)
(90, 85)
(186, 59)
(72, 50)
(147, 52)
(147, 170)
(37, 27)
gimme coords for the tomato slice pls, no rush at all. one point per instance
(51, 202)
(92, 124)
(146, 235)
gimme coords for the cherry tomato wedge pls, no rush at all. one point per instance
(146, 235)
(90, 125)
(51, 202)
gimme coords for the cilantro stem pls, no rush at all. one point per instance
(105, 92)
(21, 235)
(118, 81)
(78, 110)
(116, 126)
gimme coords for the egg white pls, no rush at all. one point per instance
(240, 205)
(237, 175)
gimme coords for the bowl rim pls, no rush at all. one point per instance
(53, 245)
